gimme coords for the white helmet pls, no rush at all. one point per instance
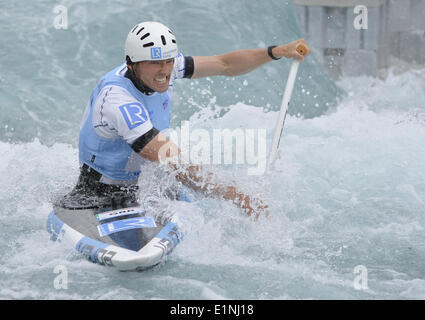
(150, 41)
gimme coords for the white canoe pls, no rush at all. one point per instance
(128, 239)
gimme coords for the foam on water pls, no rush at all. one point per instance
(348, 189)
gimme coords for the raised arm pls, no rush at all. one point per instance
(239, 62)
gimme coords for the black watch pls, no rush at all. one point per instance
(270, 53)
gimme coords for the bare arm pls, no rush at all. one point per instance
(234, 63)
(161, 149)
(243, 61)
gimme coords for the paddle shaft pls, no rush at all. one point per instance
(284, 107)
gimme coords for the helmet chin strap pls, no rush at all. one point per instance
(130, 74)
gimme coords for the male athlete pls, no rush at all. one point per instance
(129, 108)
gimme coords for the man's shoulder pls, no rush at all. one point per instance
(110, 100)
(115, 95)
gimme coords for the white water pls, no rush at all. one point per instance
(348, 190)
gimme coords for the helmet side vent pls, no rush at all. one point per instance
(139, 31)
(145, 36)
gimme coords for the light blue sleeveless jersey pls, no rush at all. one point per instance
(111, 156)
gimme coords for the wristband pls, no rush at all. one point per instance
(269, 51)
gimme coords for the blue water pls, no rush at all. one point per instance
(347, 190)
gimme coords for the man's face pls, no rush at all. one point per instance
(155, 74)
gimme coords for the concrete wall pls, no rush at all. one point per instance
(396, 28)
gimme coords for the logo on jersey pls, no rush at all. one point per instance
(134, 114)
(156, 53)
(165, 104)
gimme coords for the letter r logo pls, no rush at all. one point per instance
(134, 114)
(156, 53)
